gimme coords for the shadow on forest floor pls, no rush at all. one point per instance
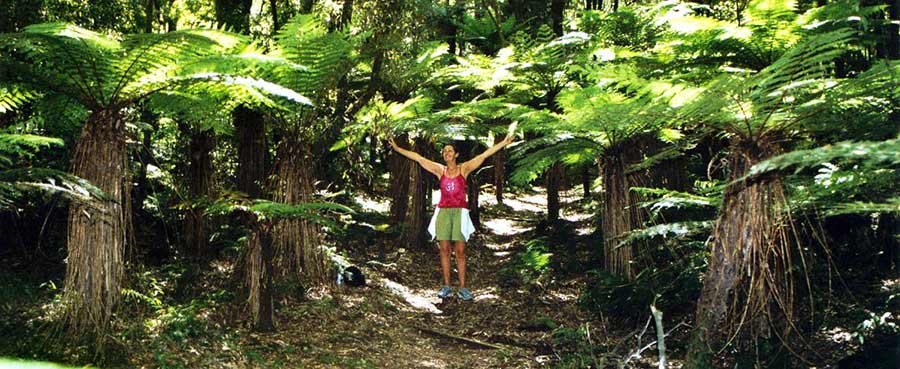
(519, 318)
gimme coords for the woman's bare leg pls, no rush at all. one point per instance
(445, 261)
(461, 262)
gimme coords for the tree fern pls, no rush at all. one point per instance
(15, 180)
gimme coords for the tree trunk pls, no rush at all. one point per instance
(274, 5)
(893, 30)
(620, 214)
(97, 235)
(553, 178)
(259, 275)
(252, 151)
(419, 215)
(234, 15)
(297, 242)
(200, 187)
(143, 156)
(499, 171)
(586, 181)
(473, 189)
(749, 262)
(306, 6)
(150, 14)
(399, 167)
(557, 8)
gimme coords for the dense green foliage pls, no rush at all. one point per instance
(666, 112)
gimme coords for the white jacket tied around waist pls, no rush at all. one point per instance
(465, 226)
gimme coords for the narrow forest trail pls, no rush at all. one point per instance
(399, 322)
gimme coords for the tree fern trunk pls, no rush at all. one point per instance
(259, 278)
(749, 262)
(200, 186)
(893, 30)
(399, 167)
(306, 6)
(252, 151)
(298, 251)
(557, 7)
(419, 215)
(553, 178)
(473, 190)
(97, 235)
(617, 219)
(233, 14)
(586, 181)
(621, 213)
(499, 171)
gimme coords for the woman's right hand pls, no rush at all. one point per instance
(393, 144)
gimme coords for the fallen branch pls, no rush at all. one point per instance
(463, 339)
(638, 352)
(660, 335)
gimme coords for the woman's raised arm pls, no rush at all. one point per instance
(474, 163)
(429, 165)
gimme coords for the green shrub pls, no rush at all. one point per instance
(529, 266)
(673, 286)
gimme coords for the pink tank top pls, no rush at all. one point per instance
(453, 191)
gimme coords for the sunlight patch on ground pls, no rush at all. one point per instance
(840, 335)
(584, 231)
(504, 227)
(415, 300)
(530, 203)
(431, 364)
(576, 217)
(487, 294)
(890, 284)
(369, 204)
(563, 297)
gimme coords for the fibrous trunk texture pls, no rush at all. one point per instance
(621, 213)
(97, 233)
(200, 185)
(748, 288)
(473, 189)
(419, 215)
(499, 171)
(554, 178)
(259, 273)
(297, 242)
(252, 151)
(586, 181)
(399, 167)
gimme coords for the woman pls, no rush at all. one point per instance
(451, 223)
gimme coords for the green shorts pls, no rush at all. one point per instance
(448, 226)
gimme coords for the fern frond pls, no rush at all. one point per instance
(13, 182)
(150, 56)
(870, 154)
(327, 56)
(24, 144)
(557, 149)
(668, 230)
(14, 96)
(859, 207)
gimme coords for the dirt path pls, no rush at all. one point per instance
(399, 322)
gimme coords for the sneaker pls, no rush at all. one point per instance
(444, 292)
(464, 294)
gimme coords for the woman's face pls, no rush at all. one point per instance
(449, 153)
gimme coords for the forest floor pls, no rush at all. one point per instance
(525, 313)
(397, 320)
